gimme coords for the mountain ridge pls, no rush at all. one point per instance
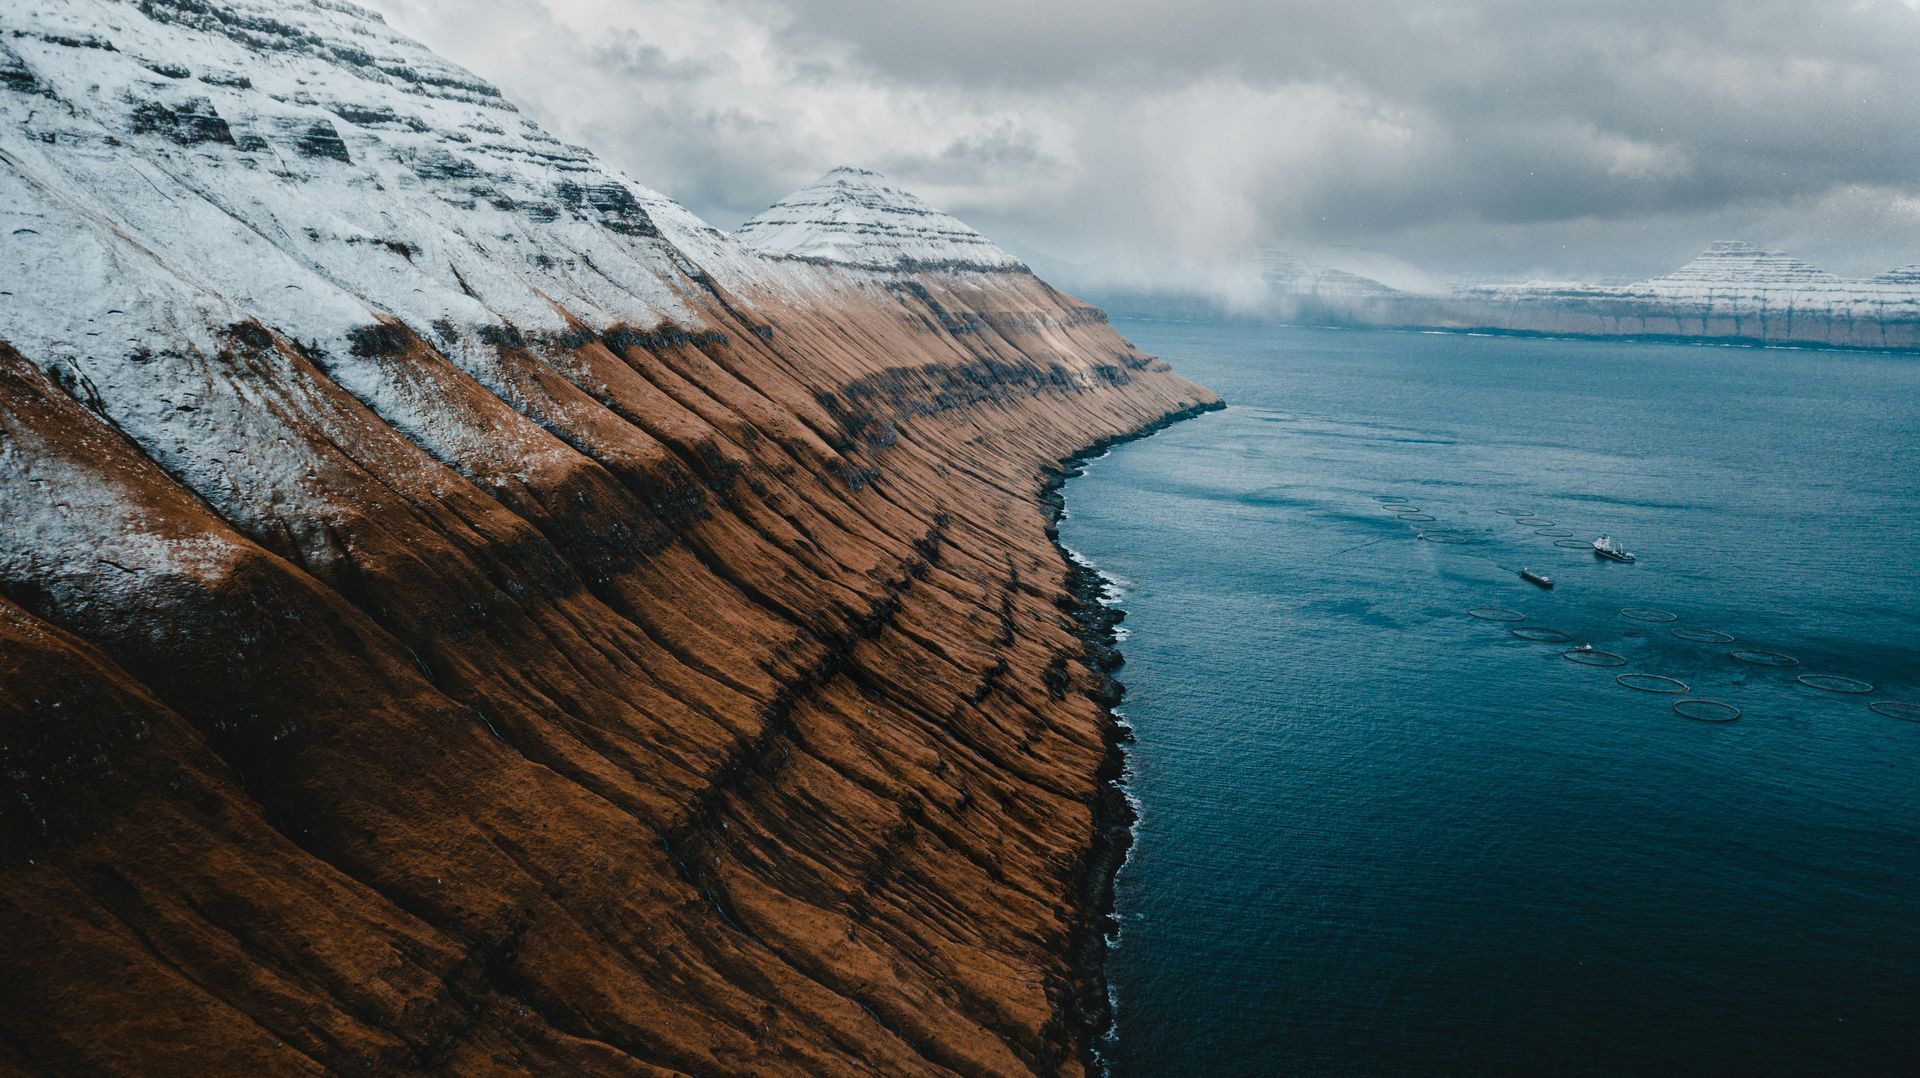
(459, 611)
(1733, 291)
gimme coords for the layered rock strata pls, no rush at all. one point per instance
(1732, 291)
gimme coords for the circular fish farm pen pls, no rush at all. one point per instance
(1834, 683)
(1763, 658)
(1647, 613)
(1594, 658)
(1701, 636)
(1534, 522)
(1660, 683)
(1400, 507)
(1571, 544)
(1390, 498)
(1541, 634)
(1444, 538)
(1556, 533)
(1705, 710)
(1495, 613)
(1513, 512)
(1896, 709)
(1417, 518)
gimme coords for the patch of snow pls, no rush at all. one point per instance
(319, 171)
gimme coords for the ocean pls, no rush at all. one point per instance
(1381, 835)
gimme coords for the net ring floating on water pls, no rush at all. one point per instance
(1495, 613)
(1834, 683)
(1705, 710)
(1389, 499)
(1444, 538)
(1571, 544)
(1542, 634)
(1534, 522)
(1660, 683)
(1701, 636)
(1593, 658)
(1896, 709)
(1763, 658)
(1513, 512)
(1417, 518)
(1647, 613)
(1400, 507)
(1555, 533)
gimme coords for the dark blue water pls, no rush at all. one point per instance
(1380, 836)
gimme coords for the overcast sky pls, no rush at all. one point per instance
(1515, 137)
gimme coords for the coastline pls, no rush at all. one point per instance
(1114, 817)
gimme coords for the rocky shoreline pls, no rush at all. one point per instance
(1114, 816)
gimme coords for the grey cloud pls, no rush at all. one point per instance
(1475, 135)
(626, 53)
(983, 156)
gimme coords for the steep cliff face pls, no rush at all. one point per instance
(457, 610)
(1733, 291)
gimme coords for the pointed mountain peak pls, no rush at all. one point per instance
(857, 217)
(1730, 262)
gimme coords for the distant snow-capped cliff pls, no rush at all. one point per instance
(1732, 291)
(1735, 291)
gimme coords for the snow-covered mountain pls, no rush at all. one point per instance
(303, 164)
(1750, 276)
(461, 612)
(1732, 290)
(1746, 267)
(855, 217)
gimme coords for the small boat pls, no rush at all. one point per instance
(1605, 547)
(1532, 577)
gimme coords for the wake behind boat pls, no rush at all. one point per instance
(1605, 547)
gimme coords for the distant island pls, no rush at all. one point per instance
(1734, 292)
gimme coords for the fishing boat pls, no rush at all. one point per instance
(1532, 577)
(1605, 547)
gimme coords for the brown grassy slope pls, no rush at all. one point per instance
(711, 708)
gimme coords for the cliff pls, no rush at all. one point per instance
(459, 611)
(1732, 291)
